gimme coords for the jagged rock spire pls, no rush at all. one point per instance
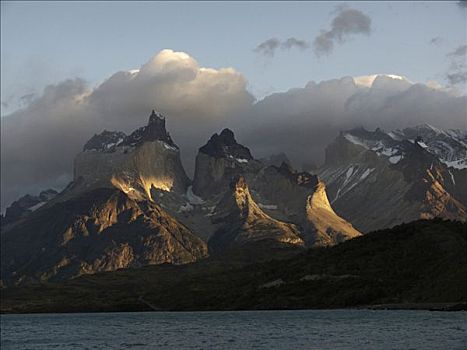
(217, 161)
(155, 130)
(155, 115)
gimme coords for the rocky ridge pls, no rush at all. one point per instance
(244, 222)
(377, 179)
(26, 205)
(278, 191)
(100, 230)
(131, 203)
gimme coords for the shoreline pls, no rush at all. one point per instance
(443, 307)
(461, 306)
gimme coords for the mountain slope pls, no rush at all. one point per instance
(106, 218)
(378, 180)
(325, 226)
(279, 191)
(301, 198)
(243, 222)
(423, 262)
(100, 230)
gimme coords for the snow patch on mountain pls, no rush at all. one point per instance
(382, 147)
(395, 159)
(37, 206)
(449, 146)
(456, 164)
(355, 140)
(366, 173)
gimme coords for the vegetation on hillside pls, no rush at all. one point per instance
(421, 262)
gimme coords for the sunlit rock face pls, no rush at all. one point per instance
(324, 226)
(147, 158)
(279, 192)
(99, 230)
(243, 222)
(379, 179)
(301, 198)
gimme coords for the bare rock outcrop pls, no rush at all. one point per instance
(244, 222)
(100, 230)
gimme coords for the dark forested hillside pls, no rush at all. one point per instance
(420, 262)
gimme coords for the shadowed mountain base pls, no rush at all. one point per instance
(423, 262)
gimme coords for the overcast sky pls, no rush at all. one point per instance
(285, 76)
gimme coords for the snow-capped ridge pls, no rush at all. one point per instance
(377, 141)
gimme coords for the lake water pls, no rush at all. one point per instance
(317, 329)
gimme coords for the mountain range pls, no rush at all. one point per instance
(378, 179)
(131, 203)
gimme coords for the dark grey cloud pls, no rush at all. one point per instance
(346, 23)
(40, 141)
(457, 78)
(462, 4)
(291, 43)
(270, 46)
(457, 73)
(436, 40)
(459, 51)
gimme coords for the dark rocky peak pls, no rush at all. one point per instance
(27, 204)
(156, 117)
(224, 145)
(106, 141)
(303, 179)
(154, 131)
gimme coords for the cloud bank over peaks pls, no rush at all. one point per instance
(40, 141)
(304, 120)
